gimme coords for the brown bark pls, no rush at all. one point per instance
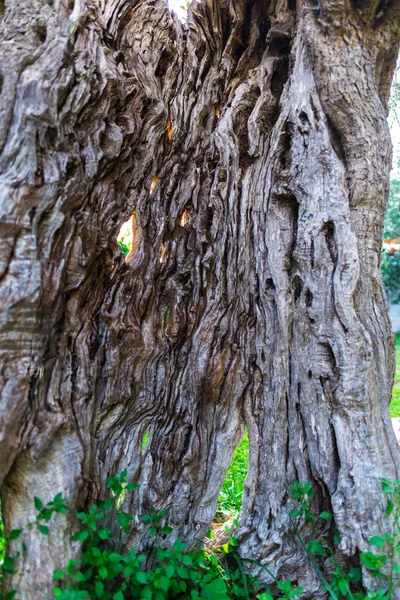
(252, 148)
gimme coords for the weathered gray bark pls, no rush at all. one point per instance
(253, 150)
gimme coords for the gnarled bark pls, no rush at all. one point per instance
(252, 149)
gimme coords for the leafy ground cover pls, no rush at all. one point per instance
(111, 571)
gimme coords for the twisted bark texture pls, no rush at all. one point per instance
(251, 147)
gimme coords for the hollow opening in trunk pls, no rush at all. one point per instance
(125, 236)
(231, 494)
(130, 237)
(145, 441)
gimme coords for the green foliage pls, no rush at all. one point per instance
(230, 496)
(390, 263)
(125, 238)
(8, 561)
(395, 405)
(111, 570)
(125, 248)
(391, 251)
(107, 572)
(383, 566)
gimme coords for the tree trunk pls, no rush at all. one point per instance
(251, 147)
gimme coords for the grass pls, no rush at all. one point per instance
(230, 496)
(395, 404)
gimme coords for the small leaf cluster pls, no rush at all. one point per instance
(106, 572)
(9, 562)
(343, 584)
(109, 569)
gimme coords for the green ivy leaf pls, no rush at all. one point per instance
(342, 585)
(114, 557)
(123, 519)
(267, 595)
(182, 572)
(80, 536)
(371, 561)
(146, 518)
(390, 507)
(14, 534)
(316, 548)
(167, 530)
(44, 530)
(104, 533)
(131, 486)
(387, 487)
(147, 594)
(170, 570)
(214, 589)
(38, 503)
(8, 564)
(141, 577)
(99, 588)
(109, 503)
(396, 569)
(285, 586)
(326, 515)
(103, 572)
(376, 540)
(58, 574)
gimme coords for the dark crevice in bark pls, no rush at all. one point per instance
(336, 456)
(41, 32)
(316, 7)
(280, 76)
(337, 142)
(328, 230)
(298, 288)
(279, 44)
(288, 453)
(312, 253)
(382, 6)
(308, 298)
(286, 145)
